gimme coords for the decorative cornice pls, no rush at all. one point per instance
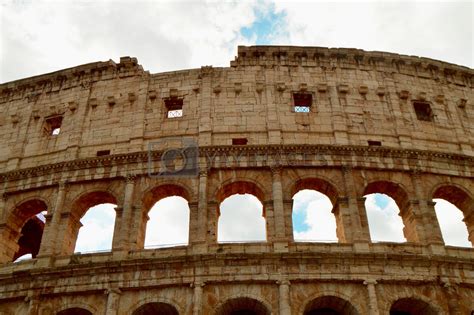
(139, 157)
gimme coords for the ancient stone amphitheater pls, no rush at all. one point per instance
(344, 122)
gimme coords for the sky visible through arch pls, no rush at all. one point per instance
(38, 37)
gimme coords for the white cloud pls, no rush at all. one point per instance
(450, 219)
(41, 36)
(385, 224)
(439, 30)
(97, 229)
(320, 223)
(168, 224)
(241, 219)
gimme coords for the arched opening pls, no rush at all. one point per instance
(168, 224)
(411, 306)
(74, 311)
(383, 215)
(92, 215)
(240, 213)
(385, 202)
(165, 219)
(24, 230)
(315, 211)
(243, 306)
(329, 305)
(98, 220)
(313, 220)
(156, 308)
(241, 219)
(454, 205)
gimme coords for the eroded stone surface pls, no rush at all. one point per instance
(361, 134)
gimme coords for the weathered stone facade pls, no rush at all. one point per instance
(377, 122)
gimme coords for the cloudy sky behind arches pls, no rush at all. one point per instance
(43, 36)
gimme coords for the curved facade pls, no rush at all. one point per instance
(344, 122)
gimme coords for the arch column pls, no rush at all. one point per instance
(113, 301)
(343, 220)
(431, 233)
(284, 297)
(469, 221)
(34, 304)
(372, 293)
(198, 223)
(451, 293)
(8, 248)
(50, 239)
(197, 297)
(288, 211)
(357, 228)
(278, 209)
(213, 213)
(269, 214)
(122, 239)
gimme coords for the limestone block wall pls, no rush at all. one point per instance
(377, 123)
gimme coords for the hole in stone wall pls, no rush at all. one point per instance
(374, 143)
(239, 141)
(52, 126)
(423, 111)
(302, 102)
(174, 107)
(97, 229)
(385, 223)
(313, 220)
(453, 228)
(168, 224)
(103, 152)
(241, 219)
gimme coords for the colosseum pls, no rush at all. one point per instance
(343, 122)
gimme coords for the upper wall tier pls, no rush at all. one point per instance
(346, 97)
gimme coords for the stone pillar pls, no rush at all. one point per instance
(269, 220)
(123, 239)
(197, 297)
(201, 229)
(452, 297)
(278, 210)
(193, 222)
(3, 204)
(343, 220)
(284, 297)
(373, 302)
(288, 210)
(359, 228)
(113, 301)
(49, 241)
(469, 221)
(33, 304)
(431, 232)
(213, 214)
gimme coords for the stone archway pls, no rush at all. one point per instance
(330, 305)
(74, 311)
(156, 308)
(412, 306)
(243, 306)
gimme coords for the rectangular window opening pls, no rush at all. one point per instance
(374, 143)
(52, 125)
(174, 107)
(103, 152)
(423, 111)
(302, 102)
(239, 141)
